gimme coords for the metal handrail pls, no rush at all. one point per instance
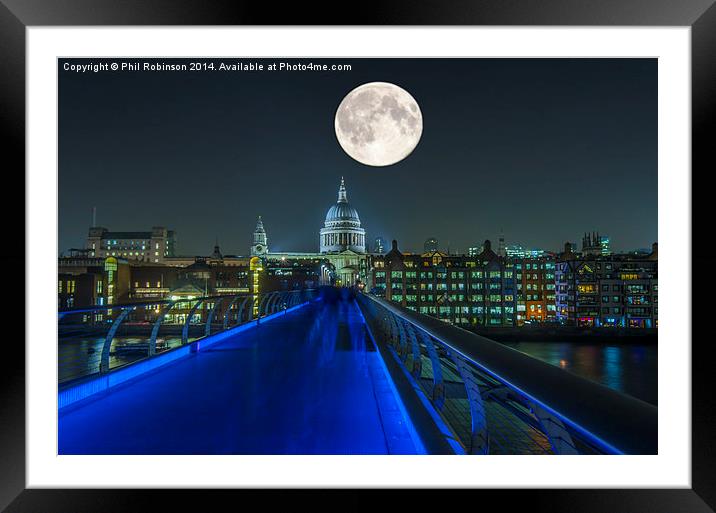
(155, 302)
(608, 420)
(124, 310)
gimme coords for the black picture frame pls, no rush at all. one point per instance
(700, 15)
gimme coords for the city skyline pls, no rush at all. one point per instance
(440, 245)
(520, 154)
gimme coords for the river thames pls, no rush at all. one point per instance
(628, 368)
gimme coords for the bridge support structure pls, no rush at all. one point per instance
(500, 401)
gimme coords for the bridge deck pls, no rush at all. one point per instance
(309, 382)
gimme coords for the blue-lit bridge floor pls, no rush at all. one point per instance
(308, 382)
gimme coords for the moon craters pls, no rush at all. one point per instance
(378, 124)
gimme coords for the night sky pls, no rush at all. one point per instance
(543, 149)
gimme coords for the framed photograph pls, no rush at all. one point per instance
(268, 250)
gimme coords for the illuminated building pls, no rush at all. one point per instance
(430, 245)
(474, 251)
(501, 246)
(516, 251)
(212, 276)
(535, 289)
(463, 290)
(379, 246)
(86, 280)
(436, 256)
(297, 273)
(152, 282)
(255, 267)
(342, 230)
(79, 290)
(615, 290)
(153, 246)
(604, 242)
(341, 244)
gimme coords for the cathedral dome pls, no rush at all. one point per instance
(342, 211)
(342, 230)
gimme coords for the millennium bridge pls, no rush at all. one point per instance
(320, 371)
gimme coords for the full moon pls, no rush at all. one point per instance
(378, 124)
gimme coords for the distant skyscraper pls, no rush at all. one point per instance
(501, 245)
(475, 250)
(606, 250)
(430, 245)
(379, 246)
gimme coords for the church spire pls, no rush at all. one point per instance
(216, 255)
(260, 245)
(342, 192)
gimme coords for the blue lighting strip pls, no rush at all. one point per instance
(104, 382)
(444, 428)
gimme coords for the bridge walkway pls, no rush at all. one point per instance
(307, 382)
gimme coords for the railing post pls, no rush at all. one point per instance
(417, 360)
(227, 314)
(104, 360)
(270, 303)
(282, 303)
(402, 339)
(207, 330)
(262, 303)
(185, 330)
(155, 329)
(480, 443)
(272, 307)
(438, 384)
(557, 434)
(240, 315)
(391, 327)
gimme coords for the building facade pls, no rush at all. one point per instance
(463, 290)
(84, 280)
(611, 290)
(535, 284)
(152, 246)
(516, 251)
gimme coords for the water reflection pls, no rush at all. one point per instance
(631, 369)
(79, 357)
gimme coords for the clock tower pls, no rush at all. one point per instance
(260, 245)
